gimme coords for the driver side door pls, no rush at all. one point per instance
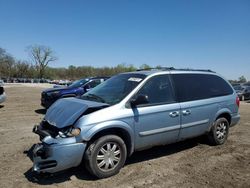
(158, 121)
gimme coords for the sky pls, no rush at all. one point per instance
(200, 34)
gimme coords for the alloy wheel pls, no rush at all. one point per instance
(221, 130)
(109, 156)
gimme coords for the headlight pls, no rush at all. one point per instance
(74, 132)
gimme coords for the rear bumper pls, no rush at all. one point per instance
(235, 119)
(2, 98)
(53, 155)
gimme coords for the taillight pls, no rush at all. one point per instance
(238, 101)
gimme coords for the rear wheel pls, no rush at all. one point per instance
(219, 131)
(106, 156)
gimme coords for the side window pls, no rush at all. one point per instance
(158, 89)
(94, 83)
(200, 86)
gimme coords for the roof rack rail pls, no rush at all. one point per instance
(172, 68)
(156, 68)
(202, 70)
(146, 69)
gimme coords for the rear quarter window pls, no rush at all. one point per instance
(200, 86)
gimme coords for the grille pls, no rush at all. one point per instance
(47, 164)
(52, 130)
(43, 95)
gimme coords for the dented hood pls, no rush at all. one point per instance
(65, 112)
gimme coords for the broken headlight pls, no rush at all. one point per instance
(74, 132)
(70, 132)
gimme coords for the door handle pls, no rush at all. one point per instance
(174, 114)
(186, 112)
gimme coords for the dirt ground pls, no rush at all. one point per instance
(191, 163)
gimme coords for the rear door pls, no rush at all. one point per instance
(200, 96)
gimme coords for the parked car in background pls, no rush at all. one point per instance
(238, 87)
(134, 111)
(62, 83)
(1, 83)
(246, 84)
(243, 92)
(2, 94)
(77, 88)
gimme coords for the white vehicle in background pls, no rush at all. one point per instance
(2, 94)
(1, 83)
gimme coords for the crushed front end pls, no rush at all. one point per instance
(56, 151)
(61, 144)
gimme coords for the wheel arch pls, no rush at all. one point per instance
(223, 113)
(122, 130)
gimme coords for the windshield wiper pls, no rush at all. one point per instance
(93, 96)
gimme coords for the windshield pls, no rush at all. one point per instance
(78, 83)
(114, 89)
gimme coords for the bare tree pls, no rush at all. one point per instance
(41, 56)
(6, 64)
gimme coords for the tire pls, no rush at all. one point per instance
(112, 153)
(219, 132)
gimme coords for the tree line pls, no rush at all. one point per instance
(38, 67)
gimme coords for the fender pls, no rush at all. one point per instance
(107, 125)
(221, 111)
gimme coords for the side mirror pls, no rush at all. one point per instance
(140, 99)
(86, 88)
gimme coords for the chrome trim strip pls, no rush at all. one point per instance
(161, 130)
(194, 123)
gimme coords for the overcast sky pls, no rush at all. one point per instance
(207, 34)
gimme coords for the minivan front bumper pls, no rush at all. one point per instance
(54, 155)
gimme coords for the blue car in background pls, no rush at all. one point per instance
(77, 88)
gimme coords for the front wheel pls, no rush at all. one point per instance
(219, 131)
(106, 156)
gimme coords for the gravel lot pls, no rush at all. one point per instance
(191, 163)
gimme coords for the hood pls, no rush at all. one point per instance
(55, 89)
(59, 86)
(65, 112)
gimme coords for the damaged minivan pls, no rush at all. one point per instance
(130, 112)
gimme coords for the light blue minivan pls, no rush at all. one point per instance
(134, 111)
